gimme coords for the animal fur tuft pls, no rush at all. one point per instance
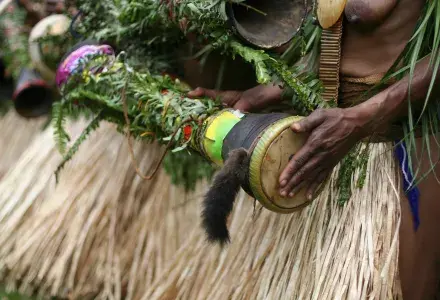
(219, 200)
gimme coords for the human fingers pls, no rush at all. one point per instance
(299, 159)
(309, 123)
(309, 171)
(196, 93)
(314, 184)
(228, 98)
(296, 189)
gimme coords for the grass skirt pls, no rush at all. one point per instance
(103, 233)
(323, 252)
(15, 136)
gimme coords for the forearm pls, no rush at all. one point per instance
(392, 104)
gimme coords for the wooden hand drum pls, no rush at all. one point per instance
(270, 144)
(275, 148)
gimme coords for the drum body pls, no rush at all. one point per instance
(270, 143)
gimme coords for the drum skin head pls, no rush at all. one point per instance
(276, 147)
(276, 159)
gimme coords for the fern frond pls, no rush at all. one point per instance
(355, 160)
(93, 125)
(59, 119)
(306, 89)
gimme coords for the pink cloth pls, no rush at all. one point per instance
(72, 63)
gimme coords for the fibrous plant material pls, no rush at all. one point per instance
(15, 137)
(151, 107)
(154, 29)
(326, 251)
(110, 235)
(102, 232)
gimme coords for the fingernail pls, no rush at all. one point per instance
(310, 196)
(283, 183)
(295, 126)
(283, 194)
(291, 195)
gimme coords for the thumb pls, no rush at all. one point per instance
(202, 92)
(241, 105)
(308, 123)
(228, 98)
(197, 93)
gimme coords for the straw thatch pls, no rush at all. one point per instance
(324, 252)
(16, 133)
(103, 233)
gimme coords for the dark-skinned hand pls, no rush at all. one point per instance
(332, 133)
(250, 100)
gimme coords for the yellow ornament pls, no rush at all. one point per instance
(329, 12)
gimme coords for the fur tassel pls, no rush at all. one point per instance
(219, 200)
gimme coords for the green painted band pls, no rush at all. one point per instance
(216, 131)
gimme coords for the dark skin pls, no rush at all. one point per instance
(333, 132)
(375, 33)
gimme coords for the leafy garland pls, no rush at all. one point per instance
(154, 28)
(161, 25)
(156, 106)
(151, 32)
(150, 28)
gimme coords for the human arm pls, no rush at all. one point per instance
(392, 103)
(333, 132)
(250, 100)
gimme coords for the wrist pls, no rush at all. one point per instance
(375, 115)
(365, 119)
